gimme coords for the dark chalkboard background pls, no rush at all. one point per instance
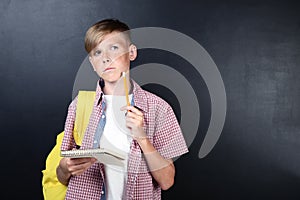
(255, 44)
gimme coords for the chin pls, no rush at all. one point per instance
(111, 79)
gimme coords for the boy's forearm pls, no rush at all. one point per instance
(162, 170)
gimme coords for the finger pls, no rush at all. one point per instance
(137, 121)
(79, 161)
(136, 111)
(135, 116)
(124, 108)
(132, 109)
(78, 172)
(75, 169)
(133, 126)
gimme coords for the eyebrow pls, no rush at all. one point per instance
(109, 44)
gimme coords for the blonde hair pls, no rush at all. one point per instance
(96, 32)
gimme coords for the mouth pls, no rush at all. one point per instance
(108, 69)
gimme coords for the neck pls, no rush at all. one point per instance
(109, 88)
(116, 88)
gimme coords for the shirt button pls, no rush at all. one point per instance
(102, 192)
(95, 141)
(103, 116)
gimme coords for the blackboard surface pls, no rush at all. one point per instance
(255, 44)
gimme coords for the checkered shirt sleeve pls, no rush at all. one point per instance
(68, 142)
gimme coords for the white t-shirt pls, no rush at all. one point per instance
(116, 137)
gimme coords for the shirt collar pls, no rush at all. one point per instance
(140, 99)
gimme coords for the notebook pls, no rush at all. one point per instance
(105, 156)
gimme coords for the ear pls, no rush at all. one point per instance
(132, 52)
(91, 61)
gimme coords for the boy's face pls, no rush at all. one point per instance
(112, 56)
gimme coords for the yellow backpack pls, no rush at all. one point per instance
(52, 188)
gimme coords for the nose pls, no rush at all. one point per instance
(105, 58)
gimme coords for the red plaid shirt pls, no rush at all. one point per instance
(162, 129)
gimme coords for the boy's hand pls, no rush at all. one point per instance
(135, 122)
(76, 166)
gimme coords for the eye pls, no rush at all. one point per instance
(97, 53)
(114, 47)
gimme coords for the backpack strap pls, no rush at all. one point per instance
(84, 109)
(52, 188)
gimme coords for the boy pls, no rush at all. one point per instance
(154, 134)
